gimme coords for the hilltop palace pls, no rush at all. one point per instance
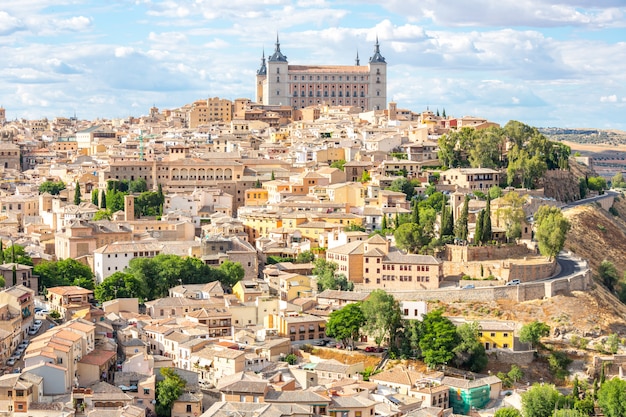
(298, 86)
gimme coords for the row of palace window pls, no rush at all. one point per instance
(405, 278)
(332, 94)
(424, 268)
(332, 77)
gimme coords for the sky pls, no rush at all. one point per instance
(546, 63)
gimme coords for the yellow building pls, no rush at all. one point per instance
(256, 197)
(497, 334)
(292, 286)
(258, 225)
(297, 326)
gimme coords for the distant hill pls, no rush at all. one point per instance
(585, 135)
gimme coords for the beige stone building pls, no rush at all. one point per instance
(474, 179)
(387, 268)
(300, 86)
(213, 109)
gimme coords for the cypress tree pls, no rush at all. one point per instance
(14, 275)
(383, 223)
(397, 220)
(77, 194)
(486, 225)
(415, 213)
(12, 252)
(273, 177)
(446, 220)
(103, 200)
(94, 197)
(1, 252)
(461, 223)
(478, 232)
(575, 390)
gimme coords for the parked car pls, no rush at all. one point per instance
(374, 349)
(11, 361)
(32, 331)
(514, 282)
(38, 322)
(469, 287)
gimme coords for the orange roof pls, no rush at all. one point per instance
(98, 357)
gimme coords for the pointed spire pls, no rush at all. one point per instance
(377, 57)
(357, 61)
(263, 69)
(277, 56)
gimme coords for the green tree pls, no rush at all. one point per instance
(1, 252)
(103, 200)
(507, 412)
(470, 352)
(447, 225)
(533, 332)
(16, 254)
(64, 272)
(365, 177)
(515, 373)
(486, 149)
(551, 230)
(608, 274)
(148, 204)
(354, 227)
(596, 183)
(115, 201)
(478, 229)
(415, 211)
(2, 282)
(345, 324)
(382, 316)
(460, 228)
(95, 194)
(495, 192)
(338, 164)
(410, 237)
(138, 186)
(402, 185)
(167, 391)
(291, 359)
(438, 339)
(233, 272)
(539, 401)
(328, 278)
(383, 223)
(120, 285)
(583, 187)
(52, 187)
(77, 194)
(618, 181)
(486, 225)
(14, 272)
(612, 398)
(613, 343)
(558, 362)
(305, 257)
(511, 214)
(102, 215)
(586, 406)
(568, 413)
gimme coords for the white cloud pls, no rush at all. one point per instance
(124, 51)
(9, 24)
(609, 99)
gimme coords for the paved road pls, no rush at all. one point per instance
(569, 265)
(606, 194)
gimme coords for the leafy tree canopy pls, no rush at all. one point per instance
(382, 316)
(540, 401)
(64, 272)
(345, 324)
(612, 398)
(551, 230)
(51, 187)
(120, 285)
(533, 332)
(507, 412)
(438, 338)
(167, 391)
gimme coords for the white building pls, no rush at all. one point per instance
(115, 257)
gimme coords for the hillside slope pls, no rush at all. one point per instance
(595, 235)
